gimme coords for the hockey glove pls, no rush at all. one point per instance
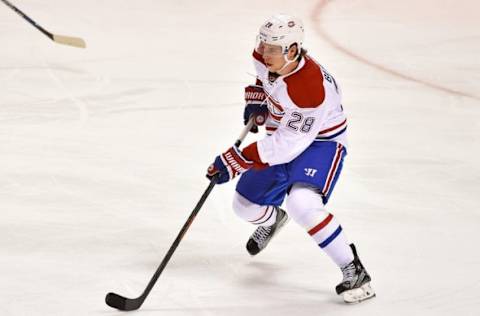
(255, 106)
(228, 165)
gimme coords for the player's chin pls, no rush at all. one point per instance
(271, 67)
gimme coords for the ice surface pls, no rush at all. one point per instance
(103, 152)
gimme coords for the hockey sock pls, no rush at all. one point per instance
(306, 207)
(263, 215)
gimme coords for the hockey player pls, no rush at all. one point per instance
(301, 156)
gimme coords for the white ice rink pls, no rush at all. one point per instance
(103, 153)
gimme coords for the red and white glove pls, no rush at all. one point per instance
(228, 165)
(255, 106)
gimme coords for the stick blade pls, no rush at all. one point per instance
(122, 303)
(69, 40)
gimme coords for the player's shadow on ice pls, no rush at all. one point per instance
(274, 278)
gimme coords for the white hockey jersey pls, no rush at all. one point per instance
(305, 106)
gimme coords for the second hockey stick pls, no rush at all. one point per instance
(129, 304)
(60, 39)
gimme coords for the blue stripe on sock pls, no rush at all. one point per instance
(327, 241)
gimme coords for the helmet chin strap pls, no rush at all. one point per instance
(288, 62)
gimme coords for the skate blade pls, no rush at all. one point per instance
(359, 294)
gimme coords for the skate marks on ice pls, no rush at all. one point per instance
(324, 32)
(100, 96)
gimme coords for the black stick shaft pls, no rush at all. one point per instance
(26, 17)
(127, 304)
(180, 235)
(190, 219)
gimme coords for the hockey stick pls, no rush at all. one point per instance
(60, 39)
(130, 304)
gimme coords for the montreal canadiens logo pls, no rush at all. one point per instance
(291, 24)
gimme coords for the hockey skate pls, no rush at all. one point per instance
(355, 285)
(263, 234)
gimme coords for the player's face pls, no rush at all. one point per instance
(272, 55)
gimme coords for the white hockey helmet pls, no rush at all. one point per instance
(281, 30)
